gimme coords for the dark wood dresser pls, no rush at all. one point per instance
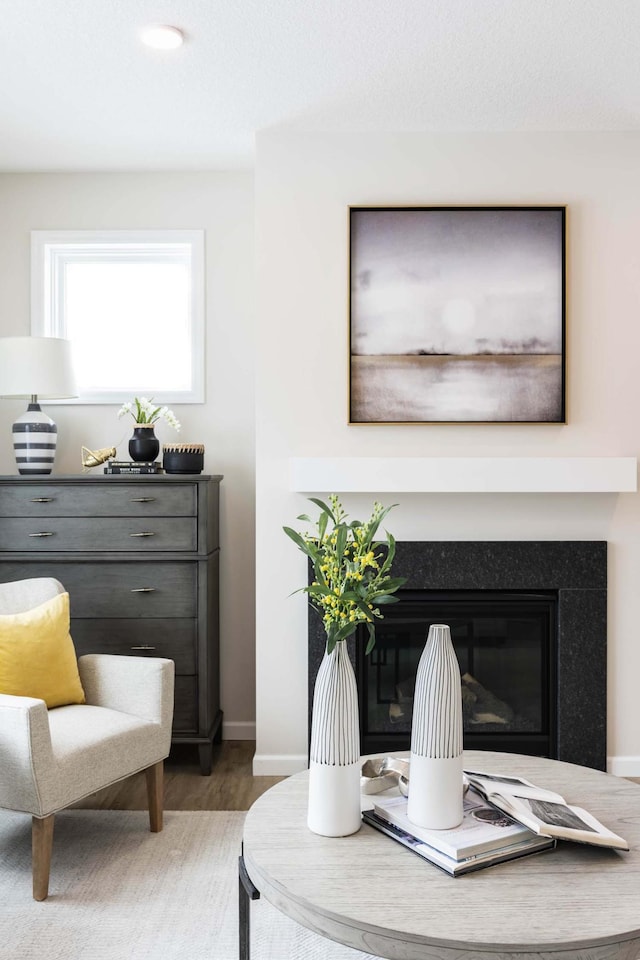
(139, 556)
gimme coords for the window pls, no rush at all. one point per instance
(132, 305)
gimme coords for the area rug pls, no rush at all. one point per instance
(118, 892)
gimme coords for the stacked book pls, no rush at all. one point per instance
(485, 836)
(133, 466)
(504, 818)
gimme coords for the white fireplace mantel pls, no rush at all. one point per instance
(464, 474)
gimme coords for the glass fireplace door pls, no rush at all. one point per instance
(505, 645)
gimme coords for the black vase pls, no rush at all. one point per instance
(144, 445)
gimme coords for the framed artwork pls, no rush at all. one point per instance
(457, 315)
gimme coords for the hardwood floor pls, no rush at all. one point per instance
(231, 785)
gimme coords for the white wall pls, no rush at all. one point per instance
(222, 205)
(304, 185)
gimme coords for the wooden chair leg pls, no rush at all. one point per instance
(154, 777)
(41, 846)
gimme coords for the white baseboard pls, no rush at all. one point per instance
(624, 766)
(239, 730)
(279, 764)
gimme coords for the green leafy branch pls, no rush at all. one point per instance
(351, 568)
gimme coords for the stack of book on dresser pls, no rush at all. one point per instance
(133, 466)
(504, 818)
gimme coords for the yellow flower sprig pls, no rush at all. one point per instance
(351, 569)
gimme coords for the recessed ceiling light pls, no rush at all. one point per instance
(162, 37)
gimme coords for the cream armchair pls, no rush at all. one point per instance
(50, 759)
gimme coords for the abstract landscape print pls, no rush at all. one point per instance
(457, 314)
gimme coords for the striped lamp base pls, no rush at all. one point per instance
(34, 441)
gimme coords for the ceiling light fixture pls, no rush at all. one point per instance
(162, 37)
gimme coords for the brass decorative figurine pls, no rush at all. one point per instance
(93, 458)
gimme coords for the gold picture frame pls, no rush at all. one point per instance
(457, 314)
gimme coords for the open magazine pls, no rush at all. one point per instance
(544, 812)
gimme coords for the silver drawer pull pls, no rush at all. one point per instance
(42, 500)
(143, 646)
(41, 534)
(147, 533)
(143, 590)
(141, 500)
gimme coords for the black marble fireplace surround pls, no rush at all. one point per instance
(575, 571)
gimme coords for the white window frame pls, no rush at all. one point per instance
(51, 250)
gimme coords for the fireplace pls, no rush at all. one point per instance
(505, 643)
(528, 623)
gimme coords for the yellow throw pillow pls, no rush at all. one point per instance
(37, 656)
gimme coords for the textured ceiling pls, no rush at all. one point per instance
(79, 92)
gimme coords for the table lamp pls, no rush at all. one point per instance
(35, 367)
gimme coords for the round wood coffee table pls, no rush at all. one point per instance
(572, 903)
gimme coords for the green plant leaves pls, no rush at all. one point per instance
(322, 525)
(301, 543)
(371, 642)
(391, 552)
(351, 570)
(323, 507)
(318, 590)
(341, 540)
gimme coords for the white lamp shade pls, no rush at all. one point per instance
(36, 365)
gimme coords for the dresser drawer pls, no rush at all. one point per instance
(173, 639)
(118, 589)
(99, 535)
(116, 499)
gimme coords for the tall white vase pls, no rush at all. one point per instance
(334, 768)
(435, 784)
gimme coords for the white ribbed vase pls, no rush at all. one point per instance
(334, 756)
(435, 784)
